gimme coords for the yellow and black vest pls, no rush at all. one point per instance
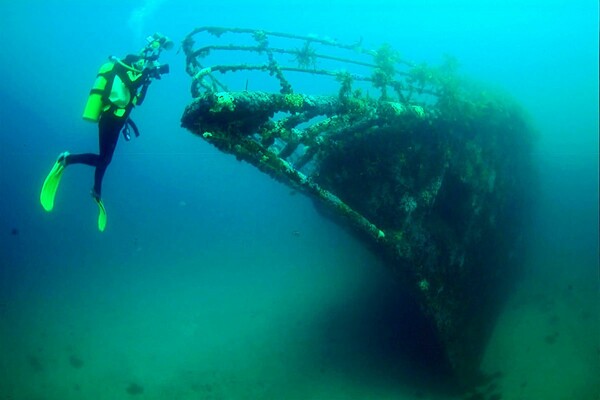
(114, 90)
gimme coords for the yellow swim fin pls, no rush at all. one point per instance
(51, 182)
(101, 214)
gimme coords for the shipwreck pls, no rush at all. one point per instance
(431, 170)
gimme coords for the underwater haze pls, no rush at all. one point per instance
(213, 281)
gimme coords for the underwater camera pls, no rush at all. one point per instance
(155, 45)
(156, 70)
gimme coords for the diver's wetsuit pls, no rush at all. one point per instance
(109, 127)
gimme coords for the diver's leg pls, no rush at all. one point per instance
(110, 128)
(86, 158)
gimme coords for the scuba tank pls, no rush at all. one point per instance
(96, 99)
(110, 90)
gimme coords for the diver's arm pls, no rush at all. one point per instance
(139, 99)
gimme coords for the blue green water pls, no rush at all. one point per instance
(200, 288)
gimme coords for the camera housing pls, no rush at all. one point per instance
(157, 70)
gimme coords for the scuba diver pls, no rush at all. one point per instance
(120, 85)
